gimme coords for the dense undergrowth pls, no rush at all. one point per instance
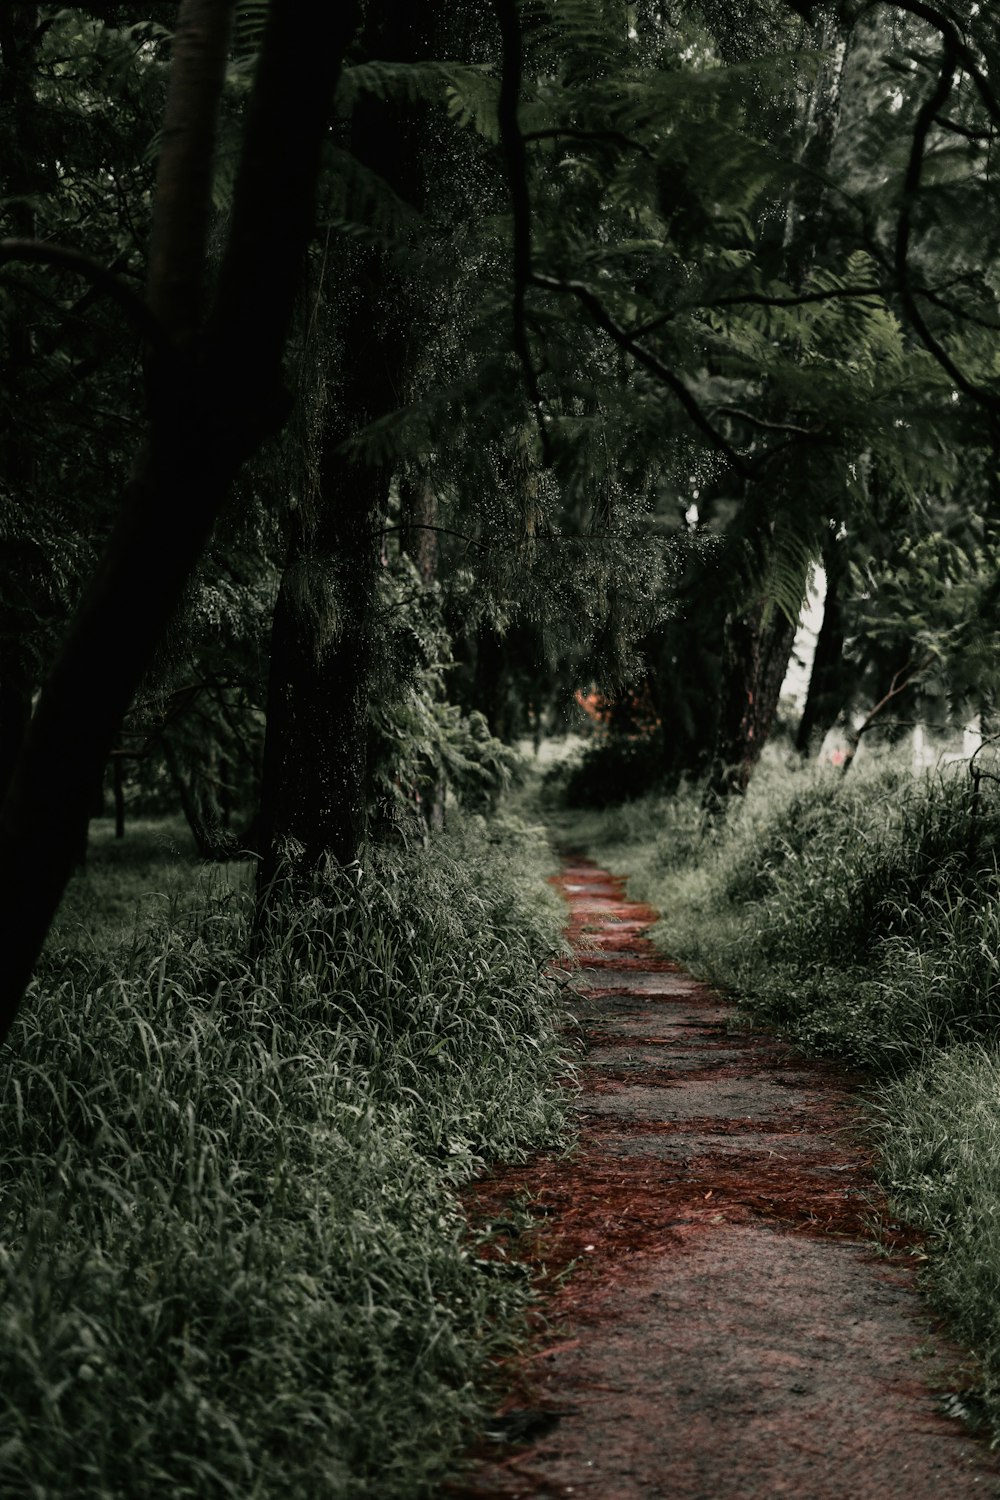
(861, 916)
(231, 1259)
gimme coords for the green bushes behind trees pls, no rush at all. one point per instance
(232, 1261)
(860, 916)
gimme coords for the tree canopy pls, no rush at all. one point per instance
(370, 389)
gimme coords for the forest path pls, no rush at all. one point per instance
(730, 1330)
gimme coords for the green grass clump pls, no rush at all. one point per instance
(939, 1133)
(861, 916)
(857, 913)
(232, 1262)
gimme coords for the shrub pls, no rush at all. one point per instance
(613, 769)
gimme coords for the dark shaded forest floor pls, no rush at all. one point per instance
(729, 1307)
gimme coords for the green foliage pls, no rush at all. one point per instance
(862, 918)
(932, 601)
(423, 746)
(611, 769)
(231, 1261)
(80, 98)
(938, 1132)
(856, 913)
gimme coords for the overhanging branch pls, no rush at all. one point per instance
(956, 44)
(63, 258)
(926, 117)
(649, 361)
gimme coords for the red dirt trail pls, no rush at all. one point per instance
(729, 1328)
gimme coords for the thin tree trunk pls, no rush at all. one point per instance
(757, 649)
(118, 773)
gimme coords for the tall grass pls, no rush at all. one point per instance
(231, 1258)
(858, 913)
(939, 1132)
(861, 915)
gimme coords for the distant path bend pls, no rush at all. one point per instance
(730, 1331)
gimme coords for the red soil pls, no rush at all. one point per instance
(727, 1306)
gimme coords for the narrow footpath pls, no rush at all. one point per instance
(731, 1326)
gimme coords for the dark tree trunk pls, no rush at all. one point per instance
(758, 643)
(15, 715)
(490, 681)
(757, 649)
(418, 539)
(23, 176)
(314, 795)
(418, 520)
(314, 789)
(225, 794)
(118, 775)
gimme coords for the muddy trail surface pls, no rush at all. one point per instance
(721, 1316)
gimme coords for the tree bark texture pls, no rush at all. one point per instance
(758, 645)
(314, 795)
(418, 520)
(208, 411)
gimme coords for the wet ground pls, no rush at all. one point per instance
(729, 1308)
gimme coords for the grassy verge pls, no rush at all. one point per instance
(860, 916)
(231, 1259)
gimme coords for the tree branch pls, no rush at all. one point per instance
(649, 361)
(62, 258)
(764, 424)
(901, 680)
(926, 116)
(962, 52)
(801, 299)
(566, 132)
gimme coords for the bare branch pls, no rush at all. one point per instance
(900, 682)
(62, 258)
(764, 424)
(926, 116)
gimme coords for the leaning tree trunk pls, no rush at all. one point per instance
(214, 388)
